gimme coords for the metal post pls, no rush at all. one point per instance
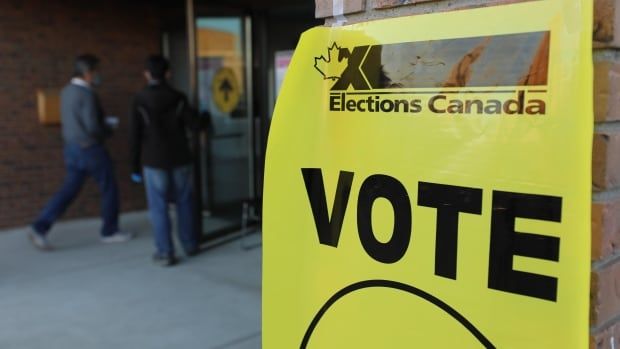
(264, 94)
(250, 106)
(190, 17)
(165, 44)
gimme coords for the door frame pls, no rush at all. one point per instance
(206, 162)
(196, 9)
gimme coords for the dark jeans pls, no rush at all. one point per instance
(160, 186)
(81, 163)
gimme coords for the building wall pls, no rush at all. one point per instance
(38, 42)
(605, 290)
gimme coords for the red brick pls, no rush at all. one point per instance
(606, 160)
(605, 228)
(606, 91)
(39, 41)
(606, 23)
(605, 294)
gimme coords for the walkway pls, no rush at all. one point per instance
(86, 295)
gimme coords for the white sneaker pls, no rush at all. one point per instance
(39, 241)
(116, 238)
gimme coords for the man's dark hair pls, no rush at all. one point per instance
(158, 66)
(85, 64)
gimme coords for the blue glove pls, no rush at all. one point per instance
(136, 178)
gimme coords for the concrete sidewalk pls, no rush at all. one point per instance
(89, 295)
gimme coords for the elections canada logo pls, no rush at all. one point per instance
(466, 76)
(350, 67)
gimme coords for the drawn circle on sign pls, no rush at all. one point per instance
(225, 90)
(400, 287)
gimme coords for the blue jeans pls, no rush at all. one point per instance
(176, 184)
(81, 163)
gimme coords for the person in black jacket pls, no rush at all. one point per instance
(160, 150)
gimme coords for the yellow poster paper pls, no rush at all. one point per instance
(428, 183)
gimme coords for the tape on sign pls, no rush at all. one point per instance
(338, 13)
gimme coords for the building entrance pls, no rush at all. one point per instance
(233, 73)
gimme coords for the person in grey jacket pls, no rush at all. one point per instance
(84, 132)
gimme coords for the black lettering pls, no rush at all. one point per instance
(381, 186)
(449, 201)
(515, 106)
(334, 102)
(351, 105)
(479, 106)
(387, 106)
(506, 243)
(493, 107)
(327, 228)
(431, 104)
(455, 107)
(536, 107)
(370, 104)
(360, 104)
(404, 103)
(416, 106)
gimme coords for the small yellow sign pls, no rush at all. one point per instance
(226, 91)
(430, 187)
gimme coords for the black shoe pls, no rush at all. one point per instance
(164, 261)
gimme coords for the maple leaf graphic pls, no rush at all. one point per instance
(334, 65)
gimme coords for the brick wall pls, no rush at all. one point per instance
(38, 42)
(605, 293)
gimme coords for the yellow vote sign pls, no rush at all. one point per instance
(428, 183)
(225, 89)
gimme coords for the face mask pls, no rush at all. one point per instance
(97, 80)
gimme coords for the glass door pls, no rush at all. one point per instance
(224, 90)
